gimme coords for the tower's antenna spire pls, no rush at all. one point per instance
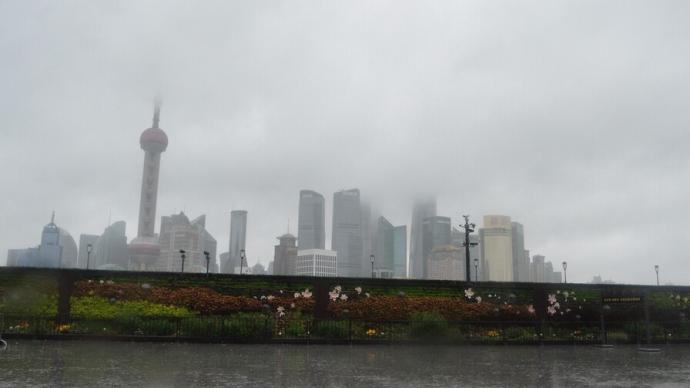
(156, 111)
(288, 225)
(52, 218)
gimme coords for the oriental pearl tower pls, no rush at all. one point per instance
(144, 250)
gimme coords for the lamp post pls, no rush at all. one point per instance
(182, 256)
(469, 228)
(656, 269)
(371, 257)
(241, 260)
(89, 248)
(565, 272)
(476, 266)
(208, 260)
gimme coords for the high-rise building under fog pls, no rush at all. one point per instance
(311, 224)
(496, 244)
(179, 233)
(520, 260)
(347, 232)
(421, 209)
(238, 239)
(400, 252)
(435, 233)
(285, 257)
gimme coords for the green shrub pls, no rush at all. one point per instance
(247, 326)
(94, 307)
(331, 329)
(428, 325)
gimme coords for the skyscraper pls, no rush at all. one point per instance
(435, 233)
(311, 224)
(496, 244)
(446, 262)
(538, 269)
(110, 250)
(238, 239)
(347, 232)
(520, 261)
(144, 250)
(57, 250)
(422, 209)
(400, 252)
(383, 248)
(179, 233)
(285, 256)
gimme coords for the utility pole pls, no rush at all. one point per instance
(469, 228)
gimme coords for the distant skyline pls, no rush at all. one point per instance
(570, 117)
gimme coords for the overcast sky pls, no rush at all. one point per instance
(570, 117)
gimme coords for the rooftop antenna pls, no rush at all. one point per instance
(52, 218)
(156, 111)
(288, 225)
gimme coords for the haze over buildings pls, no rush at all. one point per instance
(551, 114)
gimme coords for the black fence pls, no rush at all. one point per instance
(269, 329)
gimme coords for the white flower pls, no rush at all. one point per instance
(338, 289)
(685, 299)
(343, 297)
(489, 295)
(292, 305)
(567, 310)
(281, 314)
(280, 309)
(566, 294)
(558, 291)
(333, 295)
(263, 297)
(297, 295)
(530, 309)
(359, 290)
(146, 286)
(469, 293)
(551, 310)
(677, 296)
(556, 305)
(552, 298)
(110, 282)
(478, 299)
(366, 294)
(306, 294)
(101, 282)
(270, 297)
(574, 298)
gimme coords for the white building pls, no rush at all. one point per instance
(317, 262)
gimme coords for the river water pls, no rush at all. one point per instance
(130, 364)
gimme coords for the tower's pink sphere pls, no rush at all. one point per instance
(154, 140)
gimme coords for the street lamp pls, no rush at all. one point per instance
(476, 265)
(469, 228)
(242, 257)
(371, 257)
(89, 248)
(565, 272)
(656, 268)
(208, 260)
(182, 256)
